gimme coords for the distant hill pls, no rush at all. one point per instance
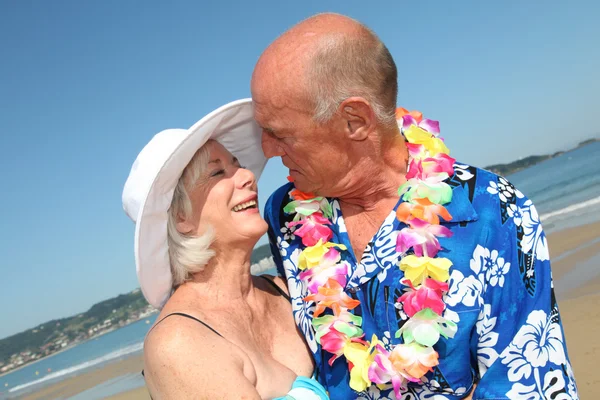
(51, 336)
(515, 166)
(511, 168)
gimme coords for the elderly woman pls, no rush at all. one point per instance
(222, 332)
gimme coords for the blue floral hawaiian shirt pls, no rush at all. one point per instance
(510, 341)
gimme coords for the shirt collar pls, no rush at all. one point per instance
(460, 207)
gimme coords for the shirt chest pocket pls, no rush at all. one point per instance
(382, 316)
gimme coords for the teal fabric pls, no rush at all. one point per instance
(300, 387)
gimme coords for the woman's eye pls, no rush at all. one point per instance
(218, 172)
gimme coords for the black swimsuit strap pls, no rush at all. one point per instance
(276, 286)
(186, 316)
(190, 317)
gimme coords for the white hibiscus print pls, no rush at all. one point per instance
(451, 315)
(486, 355)
(550, 388)
(295, 285)
(373, 393)
(495, 274)
(502, 188)
(542, 340)
(432, 389)
(533, 236)
(283, 246)
(571, 387)
(554, 382)
(464, 290)
(288, 232)
(303, 313)
(337, 216)
(386, 340)
(400, 307)
(538, 342)
(516, 213)
(462, 172)
(489, 262)
(477, 263)
(523, 392)
(380, 255)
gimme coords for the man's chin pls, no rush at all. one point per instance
(301, 183)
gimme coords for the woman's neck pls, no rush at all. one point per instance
(226, 278)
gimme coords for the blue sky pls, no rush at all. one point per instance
(84, 85)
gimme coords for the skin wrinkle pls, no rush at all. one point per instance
(280, 76)
(353, 157)
(260, 348)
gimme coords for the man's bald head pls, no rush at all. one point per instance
(326, 59)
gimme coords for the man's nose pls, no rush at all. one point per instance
(271, 146)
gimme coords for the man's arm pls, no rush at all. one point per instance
(520, 345)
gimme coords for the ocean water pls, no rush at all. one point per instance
(94, 353)
(565, 190)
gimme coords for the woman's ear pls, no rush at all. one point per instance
(359, 117)
(183, 225)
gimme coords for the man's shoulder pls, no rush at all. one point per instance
(493, 198)
(466, 171)
(480, 180)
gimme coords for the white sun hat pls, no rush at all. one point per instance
(149, 189)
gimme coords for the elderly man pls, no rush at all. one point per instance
(440, 289)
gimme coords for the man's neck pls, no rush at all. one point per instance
(377, 185)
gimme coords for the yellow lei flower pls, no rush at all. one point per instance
(417, 135)
(311, 256)
(361, 356)
(418, 268)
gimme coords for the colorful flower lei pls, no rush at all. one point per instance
(425, 275)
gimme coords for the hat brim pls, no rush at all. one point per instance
(234, 127)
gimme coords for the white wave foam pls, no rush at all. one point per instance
(110, 356)
(571, 208)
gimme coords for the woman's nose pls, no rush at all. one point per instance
(245, 178)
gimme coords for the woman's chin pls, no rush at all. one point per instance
(247, 231)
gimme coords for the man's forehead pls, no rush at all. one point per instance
(279, 109)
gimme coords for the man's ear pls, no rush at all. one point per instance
(359, 117)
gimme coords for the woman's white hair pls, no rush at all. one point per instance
(188, 254)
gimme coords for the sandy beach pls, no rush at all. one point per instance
(87, 380)
(579, 306)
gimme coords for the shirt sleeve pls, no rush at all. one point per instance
(519, 341)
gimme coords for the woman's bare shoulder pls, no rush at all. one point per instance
(185, 359)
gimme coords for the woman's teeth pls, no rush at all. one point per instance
(243, 206)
